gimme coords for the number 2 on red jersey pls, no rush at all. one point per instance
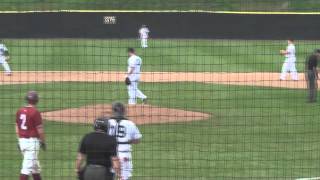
(23, 119)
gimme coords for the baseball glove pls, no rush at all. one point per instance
(127, 81)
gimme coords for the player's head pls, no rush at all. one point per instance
(317, 52)
(101, 124)
(118, 109)
(131, 51)
(290, 40)
(143, 25)
(32, 97)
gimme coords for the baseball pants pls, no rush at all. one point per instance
(97, 172)
(312, 85)
(289, 67)
(144, 42)
(5, 65)
(126, 165)
(30, 150)
(134, 92)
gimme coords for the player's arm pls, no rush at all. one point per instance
(116, 165)
(131, 70)
(284, 52)
(131, 63)
(80, 159)
(315, 70)
(17, 130)
(114, 158)
(135, 141)
(40, 130)
(135, 135)
(6, 53)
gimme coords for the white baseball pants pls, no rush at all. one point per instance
(30, 150)
(126, 165)
(289, 66)
(134, 92)
(144, 42)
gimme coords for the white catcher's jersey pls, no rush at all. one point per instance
(291, 52)
(3, 48)
(134, 62)
(125, 131)
(144, 33)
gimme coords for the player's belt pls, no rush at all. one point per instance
(123, 143)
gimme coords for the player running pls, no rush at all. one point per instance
(4, 57)
(127, 133)
(134, 68)
(144, 35)
(289, 64)
(30, 132)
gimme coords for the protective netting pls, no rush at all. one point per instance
(214, 108)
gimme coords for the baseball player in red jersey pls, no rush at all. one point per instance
(30, 132)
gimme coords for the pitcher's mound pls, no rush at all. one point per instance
(140, 114)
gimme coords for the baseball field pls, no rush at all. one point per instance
(223, 112)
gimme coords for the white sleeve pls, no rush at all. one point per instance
(135, 133)
(290, 49)
(3, 47)
(132, 62)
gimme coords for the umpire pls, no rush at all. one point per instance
(312, 75)
(100, 151)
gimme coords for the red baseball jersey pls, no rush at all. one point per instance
(27, 120)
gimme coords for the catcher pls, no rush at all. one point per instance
(4, 58)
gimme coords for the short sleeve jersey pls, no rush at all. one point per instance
(27, 120)
(124, 131)
(99, 148)
(3, 48)
(135, 62)
(311, 62)
(291, 51)
(144, 33)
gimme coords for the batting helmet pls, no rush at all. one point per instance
(101, 124)
(32, 97)
(118, 109)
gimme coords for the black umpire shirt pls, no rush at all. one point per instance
(312, 62)
(99, 148)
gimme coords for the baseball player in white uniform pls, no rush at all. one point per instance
(127, 133)
(4, 57)
(134, 70)
(289, 64)
(144, 35)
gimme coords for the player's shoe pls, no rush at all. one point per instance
(145, 101)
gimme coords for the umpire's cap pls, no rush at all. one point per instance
(118, 109)
(101, 124)
(32, 97)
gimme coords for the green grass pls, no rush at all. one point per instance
(162, 55)
(216, 5)
(254, 133)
